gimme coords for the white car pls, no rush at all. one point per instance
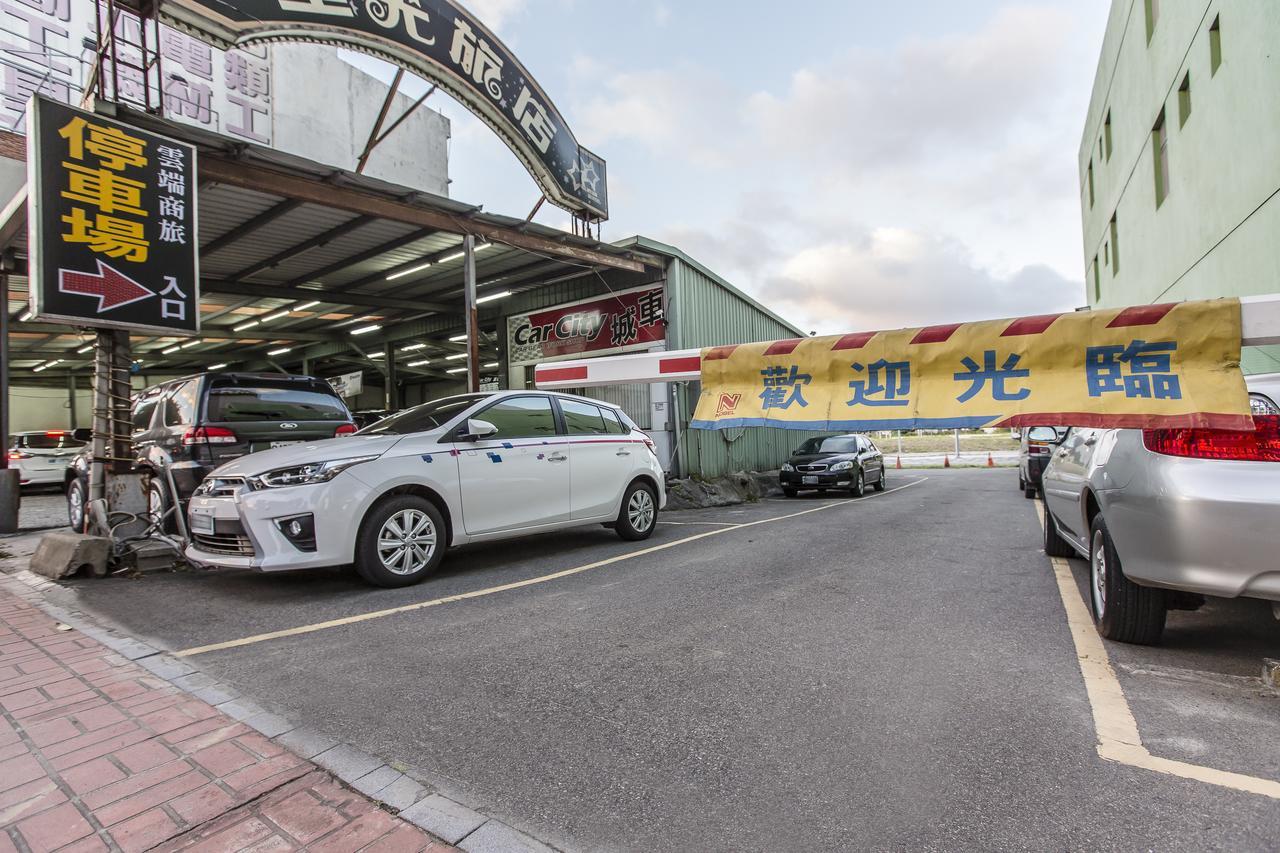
(41, 458)
(393, 497)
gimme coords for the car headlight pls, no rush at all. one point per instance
(787, 466)
(842, 466)
(314, 472)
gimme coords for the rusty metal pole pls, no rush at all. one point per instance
(10, 488)
(473, 314)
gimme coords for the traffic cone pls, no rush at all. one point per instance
(991, 463)
(899, 465)
(946, 462)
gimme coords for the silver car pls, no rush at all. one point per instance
(1168, 516)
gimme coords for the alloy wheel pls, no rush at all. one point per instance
(75, 498)
(640, 510)
(406, 542)
(1098, 574)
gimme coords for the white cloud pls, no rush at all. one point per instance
(661, 14)
(493, 13)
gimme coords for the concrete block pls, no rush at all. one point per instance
(373, 782)
(307, 742)
(443, 818)
(347, 762)
(62, 553)
(496, 837)
(1271, 674)
(402, 793)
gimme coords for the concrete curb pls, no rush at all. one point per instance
(388, 784)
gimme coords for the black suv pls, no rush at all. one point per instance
(192, 425)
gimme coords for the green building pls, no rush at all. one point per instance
(1180, 160)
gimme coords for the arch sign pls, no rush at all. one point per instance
(445, 44)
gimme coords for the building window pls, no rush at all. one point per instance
(1090, 182)
(1106, 133)
(1184, 99)
(1160, 157)
(1215, 45)
(1115, 247)
(1153, 14)
(1097, 281)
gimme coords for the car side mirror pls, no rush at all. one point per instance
(478, 429)
(1048, 434)
(82, 434)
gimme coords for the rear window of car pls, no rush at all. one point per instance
(264, 400)
(49, 441)
(582, 418)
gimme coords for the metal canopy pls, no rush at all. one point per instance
(296, 256)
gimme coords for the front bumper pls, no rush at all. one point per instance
(246, 535)
(1199, 525)
(816, 480)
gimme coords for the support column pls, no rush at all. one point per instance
(10, 489)
(473, 314)
(71, 401)
(391, 399)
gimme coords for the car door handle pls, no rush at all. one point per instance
(623, 453)
(1062, 452)
(557, 457)
(1091, 440)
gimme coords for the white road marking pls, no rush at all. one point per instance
(478, 593)
(717, 523)
(1118, 737)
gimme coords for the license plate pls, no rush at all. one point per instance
(201, 521)
(809, 481)
(284, 443)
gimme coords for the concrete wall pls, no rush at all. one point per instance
(324, 109)
(1214, 234)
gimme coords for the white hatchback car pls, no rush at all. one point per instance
(42, 457)
(393, 497)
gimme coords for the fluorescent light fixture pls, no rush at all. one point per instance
(26, 315)
(452, 257)
(312, 304)
(55, 361)
(455, 356)
(484, 246)
(277, 316)
(364, 330)
(412, 347)
(84, 349)
(501, 294)
(218, 366)
(419, 362)
(410, 271)
(457, 338)
(280, 351)
(456, 370)
(248, 325)
(190, 344)
(491, 364)
(171, 349)
(377, 355)
(38, 368)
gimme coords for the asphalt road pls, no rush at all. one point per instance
(889, 672)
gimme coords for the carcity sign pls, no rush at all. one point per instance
(111, 223)
(445, 44)
(623, 321)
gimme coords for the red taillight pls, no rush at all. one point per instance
(209, 435)
(55, 433)
(653, 448)
(1261, 445)
(18, 454)
(345, 429)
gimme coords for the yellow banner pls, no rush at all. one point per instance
(1150, 366)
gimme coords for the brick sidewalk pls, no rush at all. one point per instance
(98, 754)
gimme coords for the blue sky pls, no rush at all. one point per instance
(854, 165)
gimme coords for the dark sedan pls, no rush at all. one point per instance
(845, 462)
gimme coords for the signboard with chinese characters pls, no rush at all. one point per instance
(111, 223)
(348, 385)
(1151, 366)
(447, 45)
(620, 322)
(49, 48)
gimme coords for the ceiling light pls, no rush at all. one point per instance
(452, 257)
(171, 349)
(502, 294)
(456, 356)
(280, 351)
(412, 347)
(248, 325)
(218, 366)
(312, 304)
(491, 364)
(38, 368)
(84, 349)
(190, 344)
(377, 355)
(419, 362)
(456, 370)
(55, 361)
(364, 330)
(26, 315)
(484, 246)
(457, 338)
(276, 316)
(410, 271)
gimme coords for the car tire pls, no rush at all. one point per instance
(1022, 482)
(388, 553)
(879, 485)
(638, 515)
(158, 503)
(859, 486)
(789, 493)
(1054, 543)
(77, 504)
(1122, 610)
(1029, 491)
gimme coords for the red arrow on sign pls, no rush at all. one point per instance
(112, 288)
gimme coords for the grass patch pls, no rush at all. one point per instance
(943, 443)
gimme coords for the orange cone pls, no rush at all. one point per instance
(946, 462)
(991, 463)
(899, 465)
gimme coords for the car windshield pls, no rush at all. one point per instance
(49, 441)
(264, 400)
(428, 416)
(830, 444)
